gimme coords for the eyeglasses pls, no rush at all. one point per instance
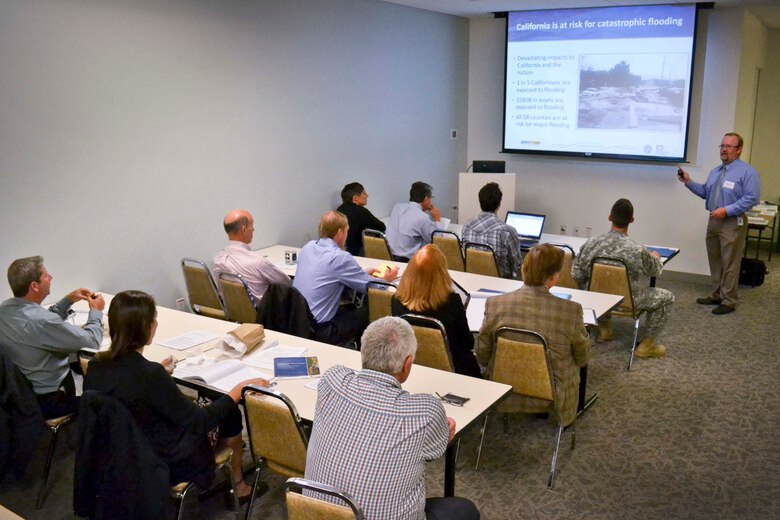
(722, 146)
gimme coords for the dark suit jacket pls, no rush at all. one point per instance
(175, 425)
(117, 473)
(560, 322)
(453, 316)
(284, 309)
(359, 218)
(21, 421)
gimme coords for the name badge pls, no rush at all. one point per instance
(729, 185)
(740, 221)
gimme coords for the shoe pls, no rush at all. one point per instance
(605, 331)
(707, 301)
(723, 309)
(648, 348)
(262, 487)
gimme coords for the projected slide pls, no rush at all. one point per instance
(603, 82)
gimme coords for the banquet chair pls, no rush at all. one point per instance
(522, 360)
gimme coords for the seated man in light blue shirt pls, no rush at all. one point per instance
(412, 223)
(38, 340)
(324, 271)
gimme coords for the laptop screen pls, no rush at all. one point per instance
(528, 225)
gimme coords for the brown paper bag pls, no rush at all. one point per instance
(250, 334)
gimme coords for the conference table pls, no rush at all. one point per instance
(599, 303)
(483, 394)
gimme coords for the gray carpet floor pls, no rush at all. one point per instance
(692, 435)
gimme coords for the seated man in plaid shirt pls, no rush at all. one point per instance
(486, 228)
(371, 438)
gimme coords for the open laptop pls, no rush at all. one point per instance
(528, 225)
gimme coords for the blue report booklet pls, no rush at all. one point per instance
(295, 367)
(665, 252)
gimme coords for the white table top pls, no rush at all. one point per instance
(483, 394)
(600, 303)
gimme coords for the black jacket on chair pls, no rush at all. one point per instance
(21, 421)
(284, 309)
(117, 473)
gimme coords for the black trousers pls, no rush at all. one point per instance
(450, 508)
(348, 323)
(62, 402)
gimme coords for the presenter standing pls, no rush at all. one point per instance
(730, 190)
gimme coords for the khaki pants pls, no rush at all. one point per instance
(725, 241)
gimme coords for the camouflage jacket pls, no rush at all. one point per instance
(640, 262)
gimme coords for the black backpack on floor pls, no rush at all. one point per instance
(752, 272)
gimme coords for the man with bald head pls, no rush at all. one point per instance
(239, 258)
(324, 271)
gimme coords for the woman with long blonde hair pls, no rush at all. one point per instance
(426, 289)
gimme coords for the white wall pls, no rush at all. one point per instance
(766, 152)
(753, 57)
(128, 128)
(580, 192)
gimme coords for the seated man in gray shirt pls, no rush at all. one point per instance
(39, 340)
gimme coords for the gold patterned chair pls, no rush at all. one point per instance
(380, 296)
(53, 425)
(239, 302)
(433, 349)
(450, 246)
(375, 245)
(276, 434)
(480, 259)
(565, 279)
(202, 291)
(222, 460)
(304, 507)
(610, 275)
(522, 360)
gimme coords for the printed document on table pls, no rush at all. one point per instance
(188, 340)
(264, 358)
(222, 375)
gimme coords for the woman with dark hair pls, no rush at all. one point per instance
(426, 289)
(176, 427)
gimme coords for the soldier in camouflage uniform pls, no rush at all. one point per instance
(641, 263)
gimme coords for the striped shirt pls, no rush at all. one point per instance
(371, 439)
